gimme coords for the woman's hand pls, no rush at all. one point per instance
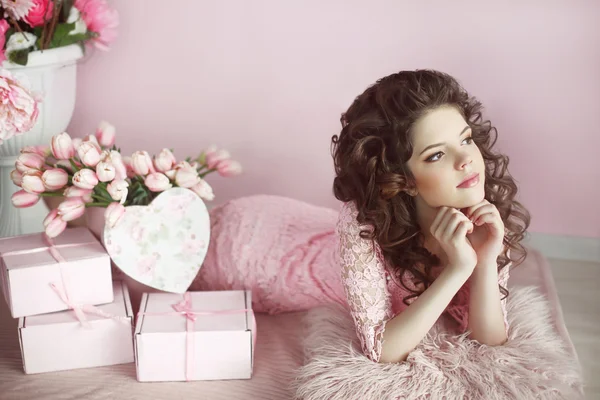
(488, 234)
(450, 228)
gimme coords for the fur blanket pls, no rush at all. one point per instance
(532, 364)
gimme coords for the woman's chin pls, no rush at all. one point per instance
(469, 201)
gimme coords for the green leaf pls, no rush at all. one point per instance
(73, 165)
(19, 56)
(62, 37)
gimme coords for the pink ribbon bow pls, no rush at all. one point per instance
(184, 308)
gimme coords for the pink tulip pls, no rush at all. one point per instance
(157, 182)
(74, 191)
(113, 214)
(52, 215)
(62, 146)
(92, 139)
(228, 168)
(142, 163)
(186, 176)
(72, 208)
(42, 150)
(118, 190)
(77, 142)
(32, 182)
(55, 227)
(85, 179)
(203, 190)
(105, 133)
(114, 157)
(128, 167)
(16, 177)
(89, 154)
(212, 159)
(29, 161)
(165, 160)
(65, 164)
(105, 171)
(55, 179)
(22, 199)
(171, 174)
(209, 151)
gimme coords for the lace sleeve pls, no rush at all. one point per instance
(364, 279)
(503, 276)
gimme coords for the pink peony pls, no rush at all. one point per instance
(39, 13)
(101, 19)
(18, 107)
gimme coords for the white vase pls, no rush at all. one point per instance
(52, 73)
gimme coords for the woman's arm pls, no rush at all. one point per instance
(486, 317)
(404, 332)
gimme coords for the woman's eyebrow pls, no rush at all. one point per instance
(441, 144)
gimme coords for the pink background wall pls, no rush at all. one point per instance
(268, 80)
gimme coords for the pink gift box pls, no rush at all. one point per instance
(59, 341)
(211, 337)
(30, 264)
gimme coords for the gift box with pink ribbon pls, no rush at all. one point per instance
(84, 337)
(42, 275)
(195, 336)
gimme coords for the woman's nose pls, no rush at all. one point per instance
(464, 160)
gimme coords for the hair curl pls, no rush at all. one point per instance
(371, 154)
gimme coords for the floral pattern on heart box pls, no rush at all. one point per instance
(163, 244)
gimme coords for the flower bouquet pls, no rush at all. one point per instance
(30, 25)
(91, 172)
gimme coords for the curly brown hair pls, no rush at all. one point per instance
(371, 154)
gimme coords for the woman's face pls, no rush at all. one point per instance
(444, 155)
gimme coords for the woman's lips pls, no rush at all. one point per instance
(469, 182)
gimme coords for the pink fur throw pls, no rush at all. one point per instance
(533, 364)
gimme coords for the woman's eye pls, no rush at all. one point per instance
(469, 140)
(435, 157)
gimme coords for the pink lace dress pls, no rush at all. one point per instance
(294, 256)
(374, 297)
